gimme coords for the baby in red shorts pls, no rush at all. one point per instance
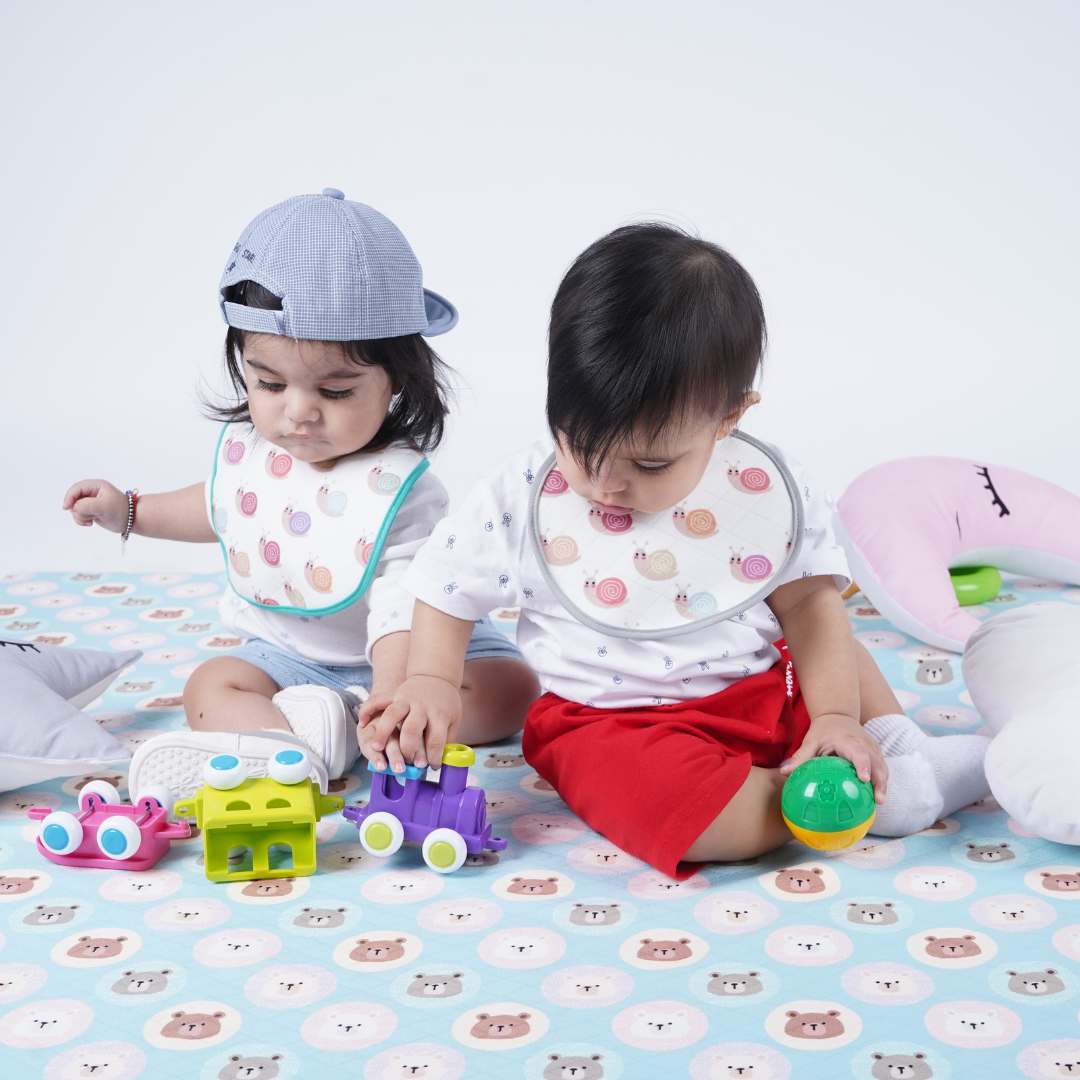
(673, 743)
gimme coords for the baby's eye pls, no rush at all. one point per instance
(335, 395)
(652, 466)
(271, 387)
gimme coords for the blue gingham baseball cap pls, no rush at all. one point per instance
(344, 272)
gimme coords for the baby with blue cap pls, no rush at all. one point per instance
(318, 493)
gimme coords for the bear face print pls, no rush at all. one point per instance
(289, 986)
(435, 986)
(813, 1025)
(348, 1025)
(560, 1067)
(20, 980)
(115, 1060)
(1058, 883)
(733, 912)
(501, 1027)
(973, 1021)
(1013, 912)
(97, 948)
(587, 987)
(264, 889)
(933, 672)
(734, 983)
(990, 853)
(952, 948)
(1036, 983)
(887, 983)
(872, 914)
(664, 951)
(143, 983)
(44, 1023)
(320, 918)
(974, 1024)
(192, 1026)
(43, 915)
(251, 1068)
(377, 950)
(522, 947)
(522, 886)
(1057, 1064)
(239, 947)
(901, 1067)
(939, 884)
(504, 761)
(16, 885)
(595, 914)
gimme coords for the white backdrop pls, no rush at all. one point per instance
(900, 180)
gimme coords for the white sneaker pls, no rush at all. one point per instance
(175, 759)
(324, 721)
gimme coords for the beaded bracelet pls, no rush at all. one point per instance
(133, 502)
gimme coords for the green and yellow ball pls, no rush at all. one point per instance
(825, 804)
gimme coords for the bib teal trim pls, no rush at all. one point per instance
(373, 561)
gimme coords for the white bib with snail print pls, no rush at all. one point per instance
(300, 539)
(639, 575)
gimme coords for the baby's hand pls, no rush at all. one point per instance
(97, 501)
(424, 714)
(843, 737)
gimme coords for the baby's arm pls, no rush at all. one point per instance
(170, 515)
(815, 625)
(427, 705)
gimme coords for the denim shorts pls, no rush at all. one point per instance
(289, 669)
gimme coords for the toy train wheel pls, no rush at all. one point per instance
(159, 794)
(381, 834)
(60, 833)
(444, 850)
(118, 838)
(105, 791)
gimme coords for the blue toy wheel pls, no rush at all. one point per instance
(60, 833)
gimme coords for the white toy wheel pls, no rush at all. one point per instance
(60, 833)
(381, 834)
(223, 772)
(105, 791)
(288, 766)
(444, 850)
(118, 838)
(159, 794)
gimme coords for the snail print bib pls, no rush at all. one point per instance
(638, 575)
(300, 539)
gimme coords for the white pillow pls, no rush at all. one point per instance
(1022, 669)
(43, 734)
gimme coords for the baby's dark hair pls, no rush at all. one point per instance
(418, 414)
(650, 326)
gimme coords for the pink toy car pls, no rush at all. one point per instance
(446, 817)
(107, 834)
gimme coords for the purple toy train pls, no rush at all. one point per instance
(449, 818)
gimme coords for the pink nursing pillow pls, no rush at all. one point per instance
(905, 523)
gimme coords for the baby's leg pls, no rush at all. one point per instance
(495, 695)
(875, 695)
(226, 694)
(748, 826)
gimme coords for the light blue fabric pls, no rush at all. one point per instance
(557, 927)
(289, 669)
(344, 272)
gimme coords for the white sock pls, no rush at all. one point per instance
(955, 760)
(912, 801)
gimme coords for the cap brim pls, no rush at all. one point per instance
(441, 314)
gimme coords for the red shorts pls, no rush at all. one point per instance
(652, 779)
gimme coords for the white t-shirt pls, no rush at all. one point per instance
(481, 558)
(347, 636)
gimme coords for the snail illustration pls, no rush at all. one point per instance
(696, 523)
(266, 601)
(751, 568)
(233, 451)
(385, 483)
(610, 592)
(697, 606)
(278, 464)
(655, 565)
(318, 577)
(561, 551)
(554, 484)
(247, 502)
(363, 550)
(609, 521)
(296, 597)
(240, 562)
(270, 550)
(331, 503)
(752, 480)
(295, 521)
